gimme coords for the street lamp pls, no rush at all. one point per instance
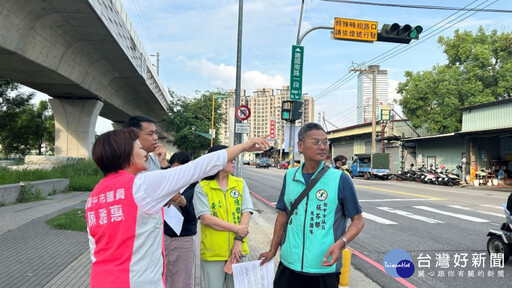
(215, 96)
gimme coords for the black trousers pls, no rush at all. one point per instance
(286, 277)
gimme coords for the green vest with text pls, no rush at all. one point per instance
(216, 245)
(310, 230)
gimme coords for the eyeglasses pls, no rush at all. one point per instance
(318, 142)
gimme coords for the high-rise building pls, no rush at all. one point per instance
(265, 105)
(226, 130)
(365, 93)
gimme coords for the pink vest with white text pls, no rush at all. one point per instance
(126, 243)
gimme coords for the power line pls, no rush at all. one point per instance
(142, 20)
(150, 37)
(426, 30)
(417, 6)
(436, 32)
(389, 54)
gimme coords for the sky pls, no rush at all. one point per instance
(197, 43)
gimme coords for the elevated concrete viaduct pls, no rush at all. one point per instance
(86, 56)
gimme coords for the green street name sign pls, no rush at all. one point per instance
(296, 73)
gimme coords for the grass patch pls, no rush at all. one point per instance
(73, 220)
(82, 175)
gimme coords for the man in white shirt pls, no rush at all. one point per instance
(148, 138)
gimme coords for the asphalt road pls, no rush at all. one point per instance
(443, 229)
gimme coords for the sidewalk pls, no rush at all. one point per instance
(36, 255)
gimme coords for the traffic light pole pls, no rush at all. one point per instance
(292, 143)
(291, 148)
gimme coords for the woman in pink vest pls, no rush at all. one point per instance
(124, 211)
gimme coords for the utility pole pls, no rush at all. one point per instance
(374, 110)
(238, 136)
(374, 104)
(157, 63)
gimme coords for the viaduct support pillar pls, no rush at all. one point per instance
(75, 123)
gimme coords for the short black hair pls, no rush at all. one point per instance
(213, 149)
(136, 120)
(340, 158)
(180, 157)
(311, 126)
(112, 150)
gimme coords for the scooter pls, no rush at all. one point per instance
(500, 241)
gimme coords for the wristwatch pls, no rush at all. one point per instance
(346, 242)
(166, 167)
(239, 238)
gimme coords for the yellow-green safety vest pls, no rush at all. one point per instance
(216, 245)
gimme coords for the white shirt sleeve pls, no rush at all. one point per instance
(151, 190)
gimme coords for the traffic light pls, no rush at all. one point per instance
(399, 34)
(291, 110)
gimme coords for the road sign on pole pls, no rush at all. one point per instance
(243, 112)
(242, 128)
(296, 73)
(355, 30)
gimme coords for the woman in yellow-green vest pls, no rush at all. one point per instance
(224, 206)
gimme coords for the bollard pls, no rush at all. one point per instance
(345, 269)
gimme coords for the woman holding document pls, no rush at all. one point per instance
(223, 204)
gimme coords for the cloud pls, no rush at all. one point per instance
(223, 76)
(392, 94)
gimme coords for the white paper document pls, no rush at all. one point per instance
(252, 275)
(174, 218)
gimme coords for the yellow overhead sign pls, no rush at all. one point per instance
(357, 30)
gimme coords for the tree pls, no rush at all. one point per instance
(479, 70)
(25, 127)
(190, 120)
(43, 125)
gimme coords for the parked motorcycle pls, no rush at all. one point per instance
(441, 177)
(500, 241)
(406, 175)
(454, 178)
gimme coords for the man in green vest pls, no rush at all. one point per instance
(312, 238)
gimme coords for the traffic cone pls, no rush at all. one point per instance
(345, 269)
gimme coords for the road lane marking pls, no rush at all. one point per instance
(492, 206)
(377, 219)
(402, 193)
(410, 215)
(483, 212)
(461, 216)
(263, 176)
(392, 200)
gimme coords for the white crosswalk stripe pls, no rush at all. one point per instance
(492, 206)
(461, 216)
(437, 211)
(410, 215)
(368, 216)
(483, 212)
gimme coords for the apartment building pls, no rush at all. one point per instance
(265, 105)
